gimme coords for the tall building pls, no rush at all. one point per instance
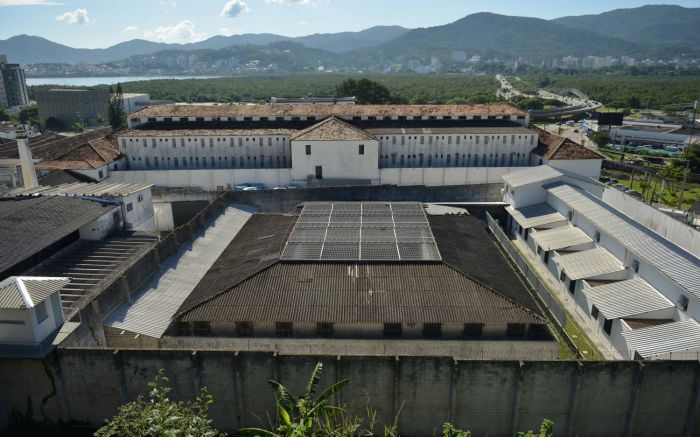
(13, 86)
(70, 106)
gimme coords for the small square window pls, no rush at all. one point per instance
(362, 149)
(129, 206)
(308, 149)
(595, 312)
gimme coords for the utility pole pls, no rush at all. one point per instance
(687, 161)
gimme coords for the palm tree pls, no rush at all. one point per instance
(303, 416)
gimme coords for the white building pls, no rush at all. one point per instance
(30, 314)
(135, 101)
(637, 291)
(134, 200)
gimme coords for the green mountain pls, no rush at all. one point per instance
(504, 36)
(655, 25)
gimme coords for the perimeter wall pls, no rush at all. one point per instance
(488, 397)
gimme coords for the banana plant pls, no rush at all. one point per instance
(303, 416)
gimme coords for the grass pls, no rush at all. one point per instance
(670, 196)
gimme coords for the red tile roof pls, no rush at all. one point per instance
(552, 146)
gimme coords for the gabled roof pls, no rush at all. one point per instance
(83, 189)
(555, 147)
(589, 263)
(663, 339)
(28, 291)
(332, 129)
(60, 177)
(535, 216)
(628, 298)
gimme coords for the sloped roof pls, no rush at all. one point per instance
(60, 177)
(627, 298)
(589, 263)
(535, 215)
(28, 226)
(662, 339)
(531, 175)
(26, 291)
(552, 146)
(332, 129)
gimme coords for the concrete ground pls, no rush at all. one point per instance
(568, 303)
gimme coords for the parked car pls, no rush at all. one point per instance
(250, 189)
(241, 187)
(293, 187)
(279, 188)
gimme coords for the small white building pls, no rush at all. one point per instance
(134, 200)
(636, 290)
(30, 314)
(135, 101)
(564, 154)
(337, 148)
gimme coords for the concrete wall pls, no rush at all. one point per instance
(337, 159)
(492, 398)
(668, 227)
(584, 167)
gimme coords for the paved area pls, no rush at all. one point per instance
(567, 301)
(154, 305)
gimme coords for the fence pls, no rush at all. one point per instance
(555, 310)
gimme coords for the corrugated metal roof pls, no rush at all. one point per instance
(561, 237)
(535, 215)
(589, 263)
(627, 298)
(154, 306)
(531, 175)
(361, 293)
(83, 189)
(25, 292)
(27, 226)
(670, 337)
(671, 260)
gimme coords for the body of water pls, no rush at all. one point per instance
(92, 81)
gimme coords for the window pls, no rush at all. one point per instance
(392, 330)
(596, 237)
(515, 330)
(284, 329)
(572, 286)
(40, 311)
(140, 197)
(148, 163)
(682, 302)
(595, 312)
(432, 330)
(607, 326)
(361, 149)
(100, 174)
(324, 329)
(546, 257)
(129, 207)
(473, 329)
(308, 149)
(635, 266)
(244, 329)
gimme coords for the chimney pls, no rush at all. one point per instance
(25, 159)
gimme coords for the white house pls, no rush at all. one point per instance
(30, 312)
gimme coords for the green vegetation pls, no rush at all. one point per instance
(116, 114)
(159, 416)
(367, 92)
(601, 138)
(29, 115)
(628, 91)
(403, 88)
(4, 116)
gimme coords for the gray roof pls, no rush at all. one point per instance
(628, 298)
(589, 263)
(153, 306)
(663, 339)
(671, 260)
(535, 215)
(370, 293)
(27, 226)
(561, 237)
(26, 292)
(87, 189)
(531, 175)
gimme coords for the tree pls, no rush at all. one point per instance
(159, 416)
(29, 115)
(54, 124)
(367, 92)
(4, 116)
(305, 415)
(546, 430)
(79, 127)
(601, 138)
(100, 118)
(116, 114)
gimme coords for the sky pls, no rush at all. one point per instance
(102, 23)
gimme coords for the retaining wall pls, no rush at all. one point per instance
(488, 397)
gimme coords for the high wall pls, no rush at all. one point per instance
(487, 397)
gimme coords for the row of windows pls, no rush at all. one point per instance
(356, 118)
(202, 141)
(476, 138)
(391, 330)
(360, 149)
(212, 162)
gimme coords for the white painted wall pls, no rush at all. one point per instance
(101, 227)
(338, 159)
(30, 331)
(584, 167)
(207, 180)
(163, 216)
(668, 227)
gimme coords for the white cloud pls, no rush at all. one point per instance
(28, 3)
(226, 31)
(129, 29)
(289, 2)
(79, 16)
(233, 8)
(182, 32)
